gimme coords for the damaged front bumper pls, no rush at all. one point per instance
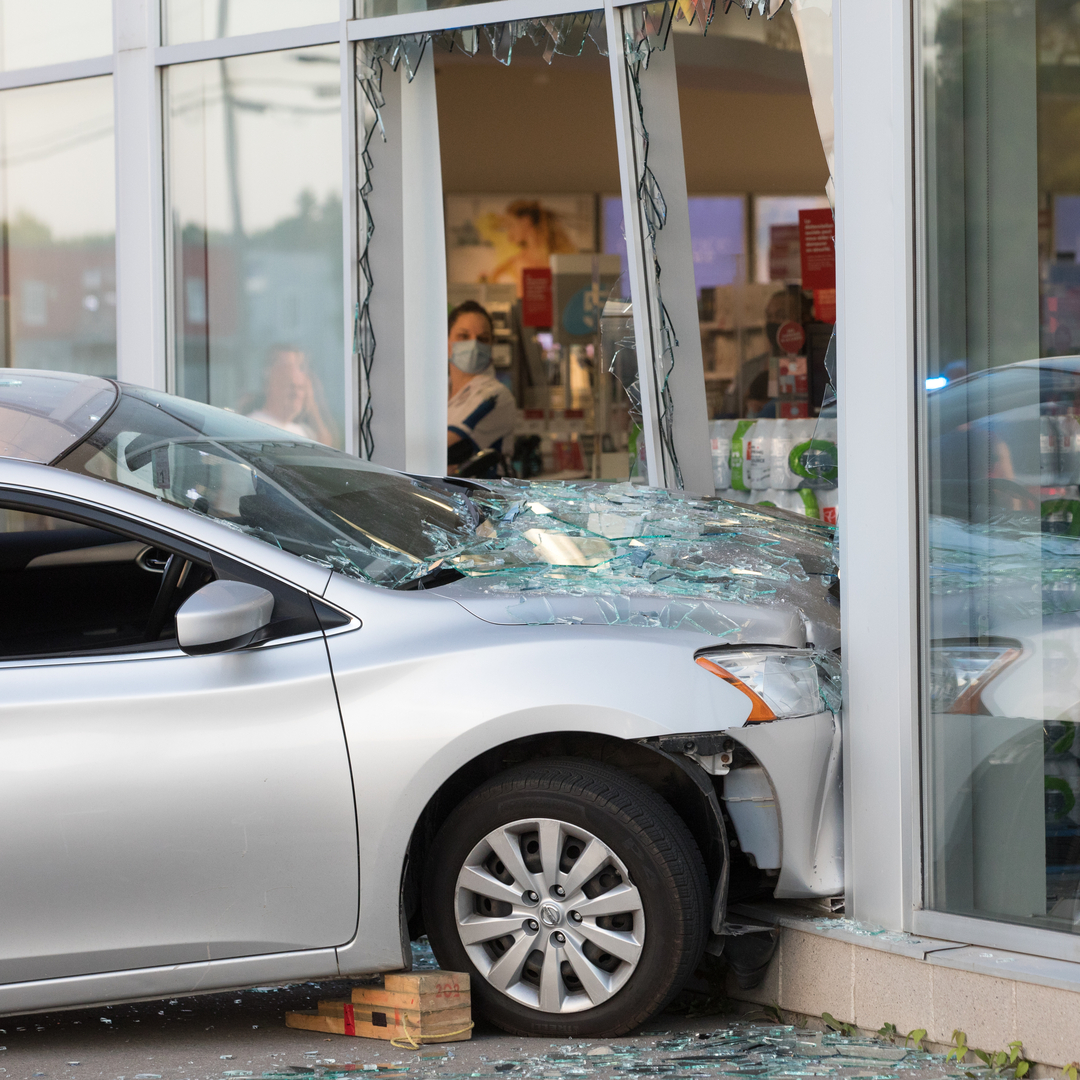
(787, 804)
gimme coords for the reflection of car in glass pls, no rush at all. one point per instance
(269, 710)
(1004, 574)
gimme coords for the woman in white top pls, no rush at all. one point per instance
(482, 410)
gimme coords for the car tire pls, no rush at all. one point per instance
(492, 905)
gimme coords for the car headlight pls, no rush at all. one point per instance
(780, 683)
(960, 670)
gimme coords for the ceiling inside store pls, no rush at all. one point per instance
(747, 118)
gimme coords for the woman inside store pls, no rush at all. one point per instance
(482, 410)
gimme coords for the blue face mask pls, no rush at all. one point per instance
(470, 357)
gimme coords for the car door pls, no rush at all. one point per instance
(158, 808)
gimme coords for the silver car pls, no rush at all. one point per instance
(269, 711)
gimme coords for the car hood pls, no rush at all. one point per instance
(624, 554)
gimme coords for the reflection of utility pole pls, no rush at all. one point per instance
(231, 170)
(232, 175)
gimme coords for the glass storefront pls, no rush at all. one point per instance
(1000, 439)
(58, 227)
(255, 187)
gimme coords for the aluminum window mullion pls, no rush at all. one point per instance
(53, 73)
(677, 444)
(989, 933)
(140, 219)
(298, 37)
(875, 359)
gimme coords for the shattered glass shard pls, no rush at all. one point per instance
(598, 32)
(533, 612)
(501, 38)
(575, 28)
(412, 51)
(559, 549)
(467, 40)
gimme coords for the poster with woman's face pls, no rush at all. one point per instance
(492, 238)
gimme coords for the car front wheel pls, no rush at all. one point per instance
(574, 896)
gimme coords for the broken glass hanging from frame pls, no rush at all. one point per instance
(564, 35)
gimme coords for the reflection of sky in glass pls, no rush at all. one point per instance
(286, 106)
(58, 148)
(716, 237)
(772, 210)
(199, 20)
(37, 32)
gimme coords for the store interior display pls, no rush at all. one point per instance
(534, 225)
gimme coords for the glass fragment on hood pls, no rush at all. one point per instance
(628, 555)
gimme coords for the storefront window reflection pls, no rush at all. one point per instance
(38, 32)
(57, 227)
(256, 236)
(200, 20)
(1002, 459)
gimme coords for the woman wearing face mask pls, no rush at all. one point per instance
(482, 411)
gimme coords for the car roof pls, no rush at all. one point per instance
(45, 413)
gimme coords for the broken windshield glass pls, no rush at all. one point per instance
(296, 494)
(624, 545)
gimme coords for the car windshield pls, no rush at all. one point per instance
(299, 495)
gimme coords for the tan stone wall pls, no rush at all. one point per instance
(812, 974)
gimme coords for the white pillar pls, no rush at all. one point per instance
(140, 219)
(424, 284)
(660, 98)
(660, 101)
(350, 227)
(875, 343)
(408, 266)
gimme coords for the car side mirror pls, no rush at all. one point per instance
(222, 616)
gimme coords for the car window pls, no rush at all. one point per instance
(72, 589)
(42, 414)
(298, 495)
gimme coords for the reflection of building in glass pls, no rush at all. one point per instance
(57, 221)
(257, 241)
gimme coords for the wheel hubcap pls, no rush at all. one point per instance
(549, 916)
